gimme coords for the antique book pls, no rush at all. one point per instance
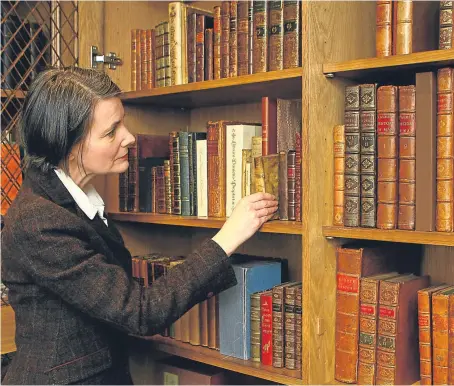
(387, 157)
(368, 319)
(406, 217)
(204, 323)
(192, 46)
(251, 36)
(160, 190)
(425, 332)
(368, 154)
(299, 327)
(426, 168)
(213, 322)
(290, 326)
(353, 263)
(233, 39)
(269, 126)
(288, 123)
(177, 43)
(255, 327)
(283, 186)
(225, 38)
(204, 47)
(217, 43)
(243, 37)
(352, 158)
(246, 167)
(256, 152)
(266, 327)
(266, 177)
(440, 335)
(162, 54)
(176, 176)
(150, 59)
(208, 48)
(292, 31)
(172, 136)
(195, 324)
(446, 36)
(384, 28)
(445, 150)
(402, 27)
(184, 173)
(339, 167)
(260, 37)
(145, 181)
(135, 60)
(397, 345)
(143, 59)
(276, 35)
(11, 177)
(202, 187)
(154, 202)
(298, 177)
(167, 187)
(291, 184)
(194, 160)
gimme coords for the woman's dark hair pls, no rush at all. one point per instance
(58, 111)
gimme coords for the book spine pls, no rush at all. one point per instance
(166, 71)
(384, 28)
(260, 37)
(167, 187)
(184, 173)
(150, 62)
(217, 43)
(403, 36)
(269, 126)
(292, 28)
(159, 56)
(445, 149)
(134, 48)
(191, 157)
(276, 36)
(225, 36)
(202, 192)
(192, 46)
(200, 48)
(154, 190)
(204, 323)
(160, 189)
(339, 167)
(368, 155)
(278, 326)
(255, 327)
(243, 38)
(251, 32)
(216, 169)
(123, 191)
(233, 39)
(133, 179)
(209, 54)
(176, 204)
(143, 60)
(298, 176)
(446, 35)
(352, 158)
(195, 325)
(176, 42)
(299, 327)
(407, 158)
(283, 186)
(212, 323)
(246, 160)
(291, 166)
(290, 328)
(387, 157)
(266, 313)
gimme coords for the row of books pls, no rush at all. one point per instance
(207, 173)
(406, 26)
(237, 38)
(394, 155)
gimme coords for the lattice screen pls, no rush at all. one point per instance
(34, 35)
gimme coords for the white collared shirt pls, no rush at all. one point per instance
(88, 200)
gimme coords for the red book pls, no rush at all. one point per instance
(266, 316)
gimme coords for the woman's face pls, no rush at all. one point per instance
(105, 150)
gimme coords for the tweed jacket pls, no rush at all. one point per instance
(70, 285)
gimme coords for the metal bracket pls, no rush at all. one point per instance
(111, 59)
(329, 75)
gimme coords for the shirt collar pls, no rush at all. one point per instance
(88, 200)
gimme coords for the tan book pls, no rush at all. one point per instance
(402, 27)
(246, 167)
(339, 167)
(276, 35)
(384, 28)
(266, 170)
(446, 36)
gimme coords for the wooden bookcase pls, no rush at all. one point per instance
(338, 46)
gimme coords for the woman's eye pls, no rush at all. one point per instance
(111, 133)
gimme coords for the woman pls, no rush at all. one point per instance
(65, 263)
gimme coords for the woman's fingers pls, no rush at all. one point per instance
(260, 196)
(264, 212)
(264, 204)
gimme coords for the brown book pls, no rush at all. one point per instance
(352, 158)
(204, 323)
(298, 178)
(204, 26)
(299, 327)
(291, 165)
(292, 28)
(225, 37)
(233, 39)
(160, 190)
(269, 126)
(208, 47)
(339, 167)
(260, 37)
(368, 154)
(150, 59)
(135, 47)
(167, 187)
(144, 60)
(387, 107)
(217, 43)
(397, 345)
(353, 263)
(445, 150)
(425, 332)
(446, 36)
(407, 158)
(212, 322)
(191, 46)
(255, 327)
(290, 326)
(426, 169)
(368, 320)
(251, 36)
(266, 179)
(243, 37)
(402, 27)
(195, 325)
(289, 113)
(440, 335)
(276, 35)
(154, 200)
(283, 186)
(176, 176)
(384, 28)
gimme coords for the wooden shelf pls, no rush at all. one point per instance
(284, 227)
(359, 68)
(400, 236)
(214, 358)
(19, 94)
(229, 91)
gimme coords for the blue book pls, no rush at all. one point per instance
(235, 307)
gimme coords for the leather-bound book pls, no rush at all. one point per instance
(266, 327)
(292, 33)
(283, 186)
(217, 43)
(243, 37)
(440, 334)
(233, 39)
(426, 162)
(288, 123)
(403, 27)
(339, 167)
(446, 36)
(260, 37)
(425, 332)
(352, 158)
(387, 157)
(160, 190)
(204, 323)
(134, 57)
(177, 46)
(445, 150)
(183, 147)
(167, 187)
(195, 325)
(122, 194)
(154, 200)
(298, 178)
(266, 171)
(276, 38)
(255, 327)
(384, 28)
(290, 326)
(269, 126)
(172, 136)
(225, 38)
(144, 60)
(368, 154)
(150, 62)
(208, 47)
(397, 345)
(353, 263)
(246, 168)
(407, 158)
(212, 322)
(176, 177)
(451, 340)
(291, 180)
(251, 35)
(192, 46)
(299, 327)
(368, 319)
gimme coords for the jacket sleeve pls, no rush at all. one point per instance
(59, 258)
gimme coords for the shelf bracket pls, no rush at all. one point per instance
(111, 59)
(329, 75)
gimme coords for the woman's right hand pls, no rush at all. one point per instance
(247, 217)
